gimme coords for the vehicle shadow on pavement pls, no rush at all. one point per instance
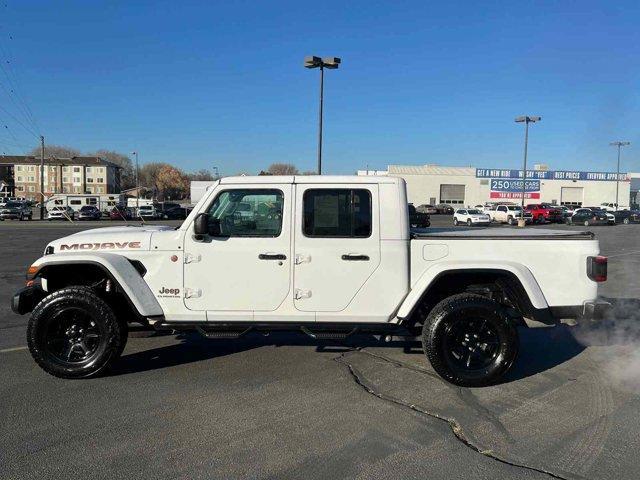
(193, 347)
(541, 349)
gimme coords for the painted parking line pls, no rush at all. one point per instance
(13, 349)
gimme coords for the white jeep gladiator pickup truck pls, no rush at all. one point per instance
(328, 256)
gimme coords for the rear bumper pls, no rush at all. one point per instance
(593, 310)
(25, 299)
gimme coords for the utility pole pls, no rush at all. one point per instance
(42, 177)
(619, 145)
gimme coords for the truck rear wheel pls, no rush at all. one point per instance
(469, 340)
(73, 333)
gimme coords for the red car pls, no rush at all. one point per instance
(120, 213)
(544, 212)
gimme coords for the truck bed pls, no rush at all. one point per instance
(502, 234)
(554, 260)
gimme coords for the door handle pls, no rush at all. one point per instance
(272, 256)
(356, 257)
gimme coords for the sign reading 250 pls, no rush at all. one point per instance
(500, 185)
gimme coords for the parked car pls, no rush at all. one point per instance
(16, 210)
(612, 207)
(61, 213)
(121, 213)
(566, 211)
(544, 212)
(624, 216)
(610, 216)
(89, 212)
(444, 209)
(587, 217)
(470, 217)
(509, 214)
(418, 219)
(426, 208)
(175, 213)
(148, 212)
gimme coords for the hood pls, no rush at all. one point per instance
(110, 239)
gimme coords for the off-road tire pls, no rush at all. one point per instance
(84, 302)
(449, 316)
(510, 220)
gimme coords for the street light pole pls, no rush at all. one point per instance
(320, 120)
(526, 119)
(42, 177)
(619, 145)
(137, 183)
(321, 63)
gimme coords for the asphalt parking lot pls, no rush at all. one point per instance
(285, 406)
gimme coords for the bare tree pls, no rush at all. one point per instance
(58, 151)
(127, 172)
(282, 169)
(202, 175)
(309, 172)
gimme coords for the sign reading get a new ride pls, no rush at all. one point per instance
(508, 183)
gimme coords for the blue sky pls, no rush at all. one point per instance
(200, 84)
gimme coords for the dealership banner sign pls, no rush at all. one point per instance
(551, 175)
(508, 188)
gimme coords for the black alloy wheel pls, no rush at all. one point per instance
(469, 340)
(72, 336)
(74, 333)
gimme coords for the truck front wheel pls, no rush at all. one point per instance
(469, 340)
(73, 333)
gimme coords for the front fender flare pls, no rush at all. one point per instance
(121, 271)
(428, 277)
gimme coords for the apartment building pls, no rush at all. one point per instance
(61, 175)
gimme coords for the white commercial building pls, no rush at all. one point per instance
(470, 186)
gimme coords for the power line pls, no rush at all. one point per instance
(9, 72)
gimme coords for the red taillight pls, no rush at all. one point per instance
(597, 268)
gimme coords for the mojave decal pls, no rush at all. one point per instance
(100, 246)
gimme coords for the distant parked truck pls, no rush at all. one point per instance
(139, 202)
(103, 202)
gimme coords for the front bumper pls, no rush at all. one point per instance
(10, 215)
(25, 299)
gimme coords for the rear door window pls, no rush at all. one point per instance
(338, 213)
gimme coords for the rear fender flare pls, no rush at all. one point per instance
(119, 268)
(428, 278)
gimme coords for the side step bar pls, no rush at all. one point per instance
(329, 334)
(318, 331)
(221, 332)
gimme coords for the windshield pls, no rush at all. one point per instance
(146, 207)
(474, 212)
(513, 207)
(13, 205)
(87, 209)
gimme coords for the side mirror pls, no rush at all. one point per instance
(205, 225)
(201, 224)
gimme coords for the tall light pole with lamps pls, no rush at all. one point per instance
(526, 119)
(619, 145)
(137, 183)
(322, 63)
